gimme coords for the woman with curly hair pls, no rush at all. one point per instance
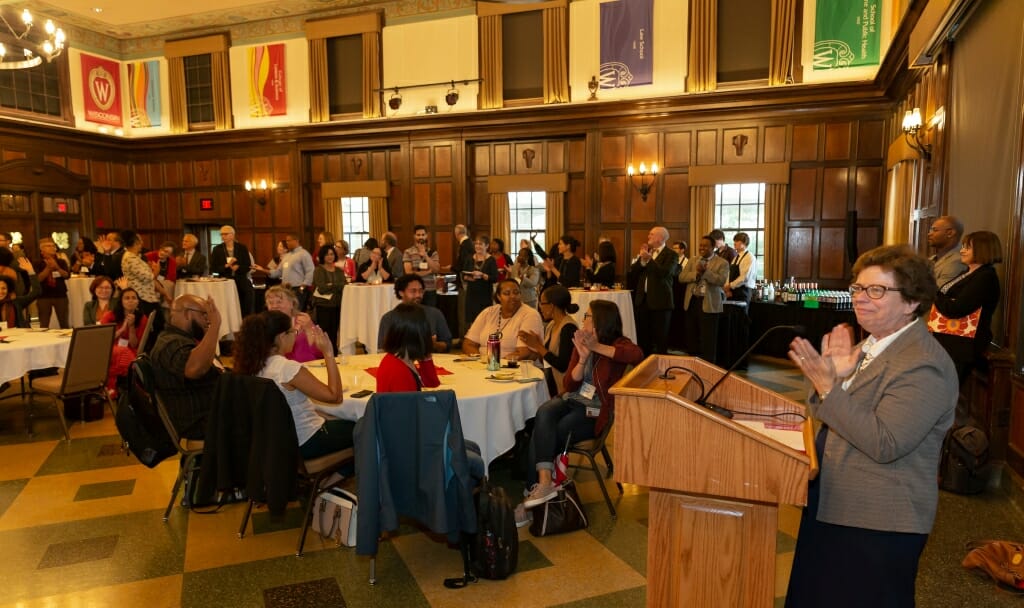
(260, 350)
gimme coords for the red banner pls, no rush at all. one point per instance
(266, 81)
(101, 85)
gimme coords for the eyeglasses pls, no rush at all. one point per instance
(875, 292)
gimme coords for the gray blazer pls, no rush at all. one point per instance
(716, 275)
(885, 435)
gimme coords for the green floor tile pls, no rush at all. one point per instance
(107, 489)
(84, 455)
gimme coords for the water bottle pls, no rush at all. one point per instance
(494, 352)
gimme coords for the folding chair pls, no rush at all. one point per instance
(589, 449)
(313, 471)
(84, 372)
(412, 462)
(189, 451)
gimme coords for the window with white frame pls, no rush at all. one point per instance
(740, 208)
(527, 217)
(355, 220)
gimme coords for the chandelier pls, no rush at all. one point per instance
(25, 51)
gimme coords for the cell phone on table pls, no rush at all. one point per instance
(362, 393)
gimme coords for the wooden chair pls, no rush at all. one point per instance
(312, 472)
(589, 449)
(84, 372)
(144, 340)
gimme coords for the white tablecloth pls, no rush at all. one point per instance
(29, 349)
(225, 296)
(78, 295)
(491, 411)
(623, 298)
(362, 307)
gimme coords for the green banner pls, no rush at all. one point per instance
(846, 33)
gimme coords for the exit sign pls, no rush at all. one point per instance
(206, 204)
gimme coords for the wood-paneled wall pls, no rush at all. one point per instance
(437, 174)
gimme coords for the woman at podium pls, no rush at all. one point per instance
(884, 405)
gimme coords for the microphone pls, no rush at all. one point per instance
(796, 329)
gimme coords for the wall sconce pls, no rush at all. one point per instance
(645, 182)
(912, 124)
(592, 86)
(452, 97)
(257, 190)
(395, 101)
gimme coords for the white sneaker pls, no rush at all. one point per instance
(523, 517)
(540, 494)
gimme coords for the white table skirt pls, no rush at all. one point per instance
(78, 295)
(491, 411)
(30, 349)
(362, 307)
(225, 296)
(623, 298)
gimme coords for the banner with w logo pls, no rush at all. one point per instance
(847, 33)
(101, 85)
(627, 43)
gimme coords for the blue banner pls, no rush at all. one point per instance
(627, 43)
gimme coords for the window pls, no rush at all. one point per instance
(522, 56)
(528, 216)
(35, 90)
(740, 208)
(345, 74)
(61, 239)
(199, 90)
(355, 219)
(744, 29)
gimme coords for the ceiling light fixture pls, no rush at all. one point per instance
(34, 49)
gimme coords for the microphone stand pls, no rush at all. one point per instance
(797, 329)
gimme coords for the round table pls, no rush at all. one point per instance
(225, 296)
(24, 350)
(362, 306)
(491, 411)
(78, 295)
(623, 298)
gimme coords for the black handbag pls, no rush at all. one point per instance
(563, 513)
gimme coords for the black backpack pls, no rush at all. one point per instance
(963, 467)
(495, 550)
(138, 421)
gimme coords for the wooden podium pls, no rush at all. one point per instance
(715, 485)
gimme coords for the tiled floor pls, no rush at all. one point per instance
(80, 525)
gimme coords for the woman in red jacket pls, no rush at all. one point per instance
(599, 359)
(407, 342)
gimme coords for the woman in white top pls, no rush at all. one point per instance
(260, 350)
(506, 318)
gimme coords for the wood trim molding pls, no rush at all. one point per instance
(217, 43)
(541, 182)
(488, 9)
(378, 188)
(344, 26)
(712, 175)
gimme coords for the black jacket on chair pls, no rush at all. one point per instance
(250, 442)
(411, 461)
